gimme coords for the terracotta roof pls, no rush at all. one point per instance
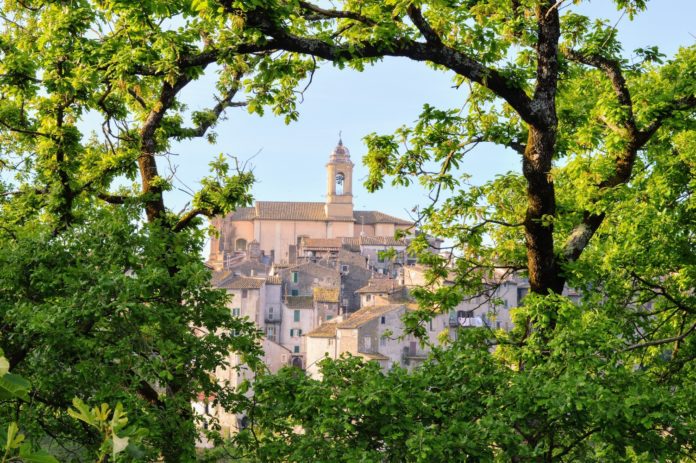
(240, 282)
(381, 241)
(373, 217)
(355, 243)
(243, 213)
(281, 210)
(299, 302)
(219, 277)
(326, 294)
(383, 285)
(276, 210)
(248, 268)
(274, 280)
(325, 330)
(321, 243)
(367, 314)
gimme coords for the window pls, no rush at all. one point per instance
(294, 292)
(270, 331)
(367, 342)
(296, 349)
(368, 297)
(329, 317)
(340, 178)
(383, 341)
(236, 312)
(521, 293)
(295, 277)
(245, 293)
(331, 341)
(344, 268)
(295, 332)
(431, 324)
(296, 316)
(240, 244)
(383, 320)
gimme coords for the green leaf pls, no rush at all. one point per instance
(82, 412)
(38, 456)
(4, 366)
(14, 387)
(120, 444)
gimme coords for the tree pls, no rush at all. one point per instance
(103, 294)
(604, 203)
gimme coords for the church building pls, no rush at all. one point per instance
(273, 230)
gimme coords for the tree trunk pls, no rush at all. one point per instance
(544, 273)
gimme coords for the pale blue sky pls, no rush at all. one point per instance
(291, 159)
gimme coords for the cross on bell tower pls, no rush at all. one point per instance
(339, 170)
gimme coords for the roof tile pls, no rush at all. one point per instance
(380, 285)
(240, 282)
(368, 314)
(299, 302)
(314, 211)
(373, 217)
(326, 294)
(325, 330)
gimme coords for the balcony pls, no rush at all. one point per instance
(472, 322)
(273, 317)
(466, 319)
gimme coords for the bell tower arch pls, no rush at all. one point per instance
(339, 173)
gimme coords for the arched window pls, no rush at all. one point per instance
(240, 244)
(340, 179)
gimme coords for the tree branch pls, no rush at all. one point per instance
(680, 104)
(661, 291)
(113, 199)
(659, 342)
(436, 53)
(186, 219)
(335, 14)
(423, 26)
(583, 232)
(612, 69)
(222, 104)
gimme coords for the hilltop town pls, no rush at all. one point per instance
(315, 280)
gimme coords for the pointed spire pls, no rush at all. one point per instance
(340, 151)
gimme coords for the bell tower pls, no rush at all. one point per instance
(339, 171)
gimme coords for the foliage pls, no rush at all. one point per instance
(111, 425)
(103, 295)
(603, 203)
(462, 403)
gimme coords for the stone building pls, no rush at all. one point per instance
(273, 230)
(374, 333)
